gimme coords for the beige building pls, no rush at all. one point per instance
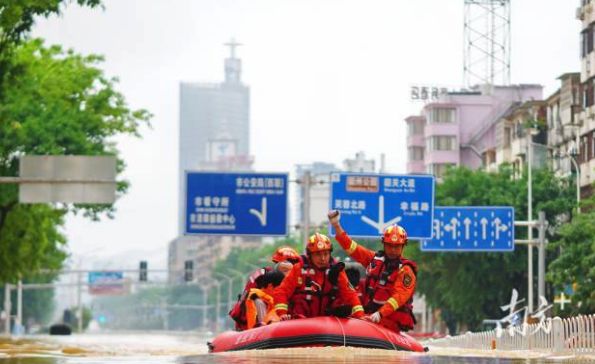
(584, 128)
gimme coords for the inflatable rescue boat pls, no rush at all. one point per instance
(315, 331)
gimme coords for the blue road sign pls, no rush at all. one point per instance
(472, 228)
(106, 282)
(370, 202)
(236, 203)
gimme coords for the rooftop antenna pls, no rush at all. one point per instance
(487, 42)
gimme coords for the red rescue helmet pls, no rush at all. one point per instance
(318, 243)
(285, 253)
(394, 235)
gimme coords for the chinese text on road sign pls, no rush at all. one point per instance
(370, 202)
(236, 203)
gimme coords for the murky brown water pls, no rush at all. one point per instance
(146, 348)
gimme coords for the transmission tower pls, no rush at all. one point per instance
(487, 42)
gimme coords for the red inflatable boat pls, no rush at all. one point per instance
(316, 331)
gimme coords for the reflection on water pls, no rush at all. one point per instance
(191, 349)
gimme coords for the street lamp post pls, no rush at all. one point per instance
(575, 162)
(530, 132)
(578, 183)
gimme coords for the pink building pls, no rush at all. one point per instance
(459, 128)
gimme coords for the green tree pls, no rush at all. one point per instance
(16, 20)
(59, 103)
(575, 264)
(470, 287)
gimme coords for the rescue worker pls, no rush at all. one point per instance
(314, 284)
(259, 301)
(283, 258)
(390, 278)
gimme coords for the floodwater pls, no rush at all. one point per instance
(175, 348)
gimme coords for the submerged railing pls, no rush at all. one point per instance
(574, 334)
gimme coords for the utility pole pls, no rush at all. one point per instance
(306, 182)
(7, 309)
(79, 299)
(541, 261)
(529, 218)
(19, 321)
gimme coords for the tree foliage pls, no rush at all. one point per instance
(59, 103)
(470, 287)
(575, 264)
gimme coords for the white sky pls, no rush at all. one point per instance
(328, 78)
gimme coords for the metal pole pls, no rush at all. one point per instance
(204, 307)
(306, 180)
(80, 303)
(541, 264)
(7, 309)
(19, 320)
(529, 218)
(578, 183)
(218, 310)
(229, 288)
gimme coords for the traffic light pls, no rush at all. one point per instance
(142, 271)
(188, 270)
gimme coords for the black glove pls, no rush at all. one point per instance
(273, 278)
(333, 274)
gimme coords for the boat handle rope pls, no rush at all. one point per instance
(378, 329)
(343, 330)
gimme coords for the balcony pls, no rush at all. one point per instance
(518, 147)
(417, 140)
(416, 167)
(442, 157)
(442, 129)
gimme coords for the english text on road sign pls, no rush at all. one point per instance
(236, 203)
(370, 202)
(471, 228)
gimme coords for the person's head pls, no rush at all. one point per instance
(394, 240)
(285, 253)
(319, 250)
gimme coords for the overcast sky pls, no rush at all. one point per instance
(328, 78)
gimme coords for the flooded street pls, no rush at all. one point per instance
(146, 348)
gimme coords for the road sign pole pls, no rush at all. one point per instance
(529, 217)
(19, 320)
(306, 180)
(79, 298)
(7, 309)
(541, 266)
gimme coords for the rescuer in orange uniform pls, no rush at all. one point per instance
(313, 284)
(390, 278)
(259, 288)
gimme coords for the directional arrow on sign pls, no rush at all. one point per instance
(467, 223)
(484, 226)
(380, 224)
(497, 224)
(262, 214)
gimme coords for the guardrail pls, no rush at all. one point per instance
(574, 334)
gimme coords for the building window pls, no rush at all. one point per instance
(442, 142)
(586, 42)
(588, 99)
(439, 169)
(416, 127)
(442, 115)
(416, 153)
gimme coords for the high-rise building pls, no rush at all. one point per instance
(215, 125)
(214, 136)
